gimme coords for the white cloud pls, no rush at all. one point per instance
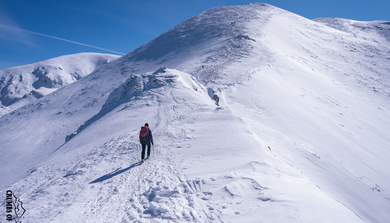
(10, 32)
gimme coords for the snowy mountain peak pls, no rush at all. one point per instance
(215, 34)
(257, 114)
(23, 84)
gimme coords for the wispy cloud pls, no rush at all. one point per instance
(12, 34)
(57, 38)
(62, 39)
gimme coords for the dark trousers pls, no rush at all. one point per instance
(143, 150)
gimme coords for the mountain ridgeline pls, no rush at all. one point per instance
(258, 115)
(22, 85)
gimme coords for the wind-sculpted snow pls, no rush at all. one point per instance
(369, 29)
(260, 116)
(137, 85)
(205, 45)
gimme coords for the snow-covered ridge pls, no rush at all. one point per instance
(138, 85)
(359, 27)
(265, 116)
(22, 84)
(205, 43)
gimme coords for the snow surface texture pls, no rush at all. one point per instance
(261, 116)
(21, 85)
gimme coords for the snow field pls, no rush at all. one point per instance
(299, 133)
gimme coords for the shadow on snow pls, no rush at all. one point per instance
(114, 173)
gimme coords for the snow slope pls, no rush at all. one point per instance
(20, 85)
(261, 116)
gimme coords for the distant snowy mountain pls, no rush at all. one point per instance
(258, 115)
(20, 85)
(374, 30)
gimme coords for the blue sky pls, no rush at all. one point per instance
(123, 25)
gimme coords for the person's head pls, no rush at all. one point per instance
(146, 124)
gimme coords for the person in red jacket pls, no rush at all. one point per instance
(145, 138)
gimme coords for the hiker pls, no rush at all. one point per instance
(145, 138)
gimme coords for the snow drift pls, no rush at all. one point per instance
(260, 116)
